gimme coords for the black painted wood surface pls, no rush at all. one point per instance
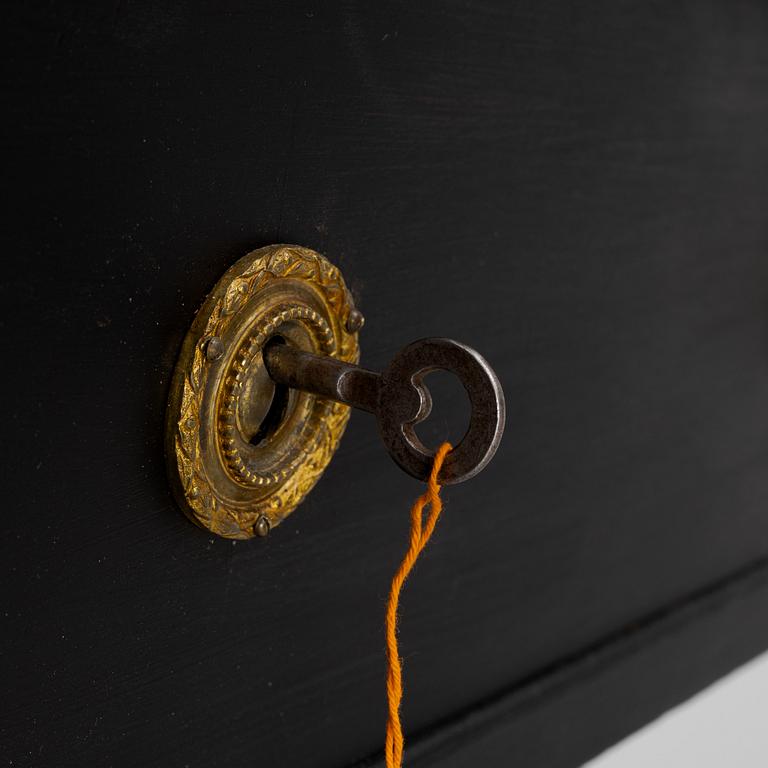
(579, 193)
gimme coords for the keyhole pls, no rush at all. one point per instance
(262, 405)
(449, 418)
(274, 416)
(275, 413)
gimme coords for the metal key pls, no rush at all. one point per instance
(399, 399)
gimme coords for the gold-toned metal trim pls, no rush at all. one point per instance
(227, 475)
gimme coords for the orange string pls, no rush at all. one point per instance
(420, 533)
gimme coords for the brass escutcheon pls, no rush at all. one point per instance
(243, 451)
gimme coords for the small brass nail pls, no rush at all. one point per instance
(214, 348)
(261, 527)
(355, 321)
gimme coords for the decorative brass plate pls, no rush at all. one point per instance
(242, 451)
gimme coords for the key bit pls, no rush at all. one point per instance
(399, 399)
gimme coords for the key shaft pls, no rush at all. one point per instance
(324, 376)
